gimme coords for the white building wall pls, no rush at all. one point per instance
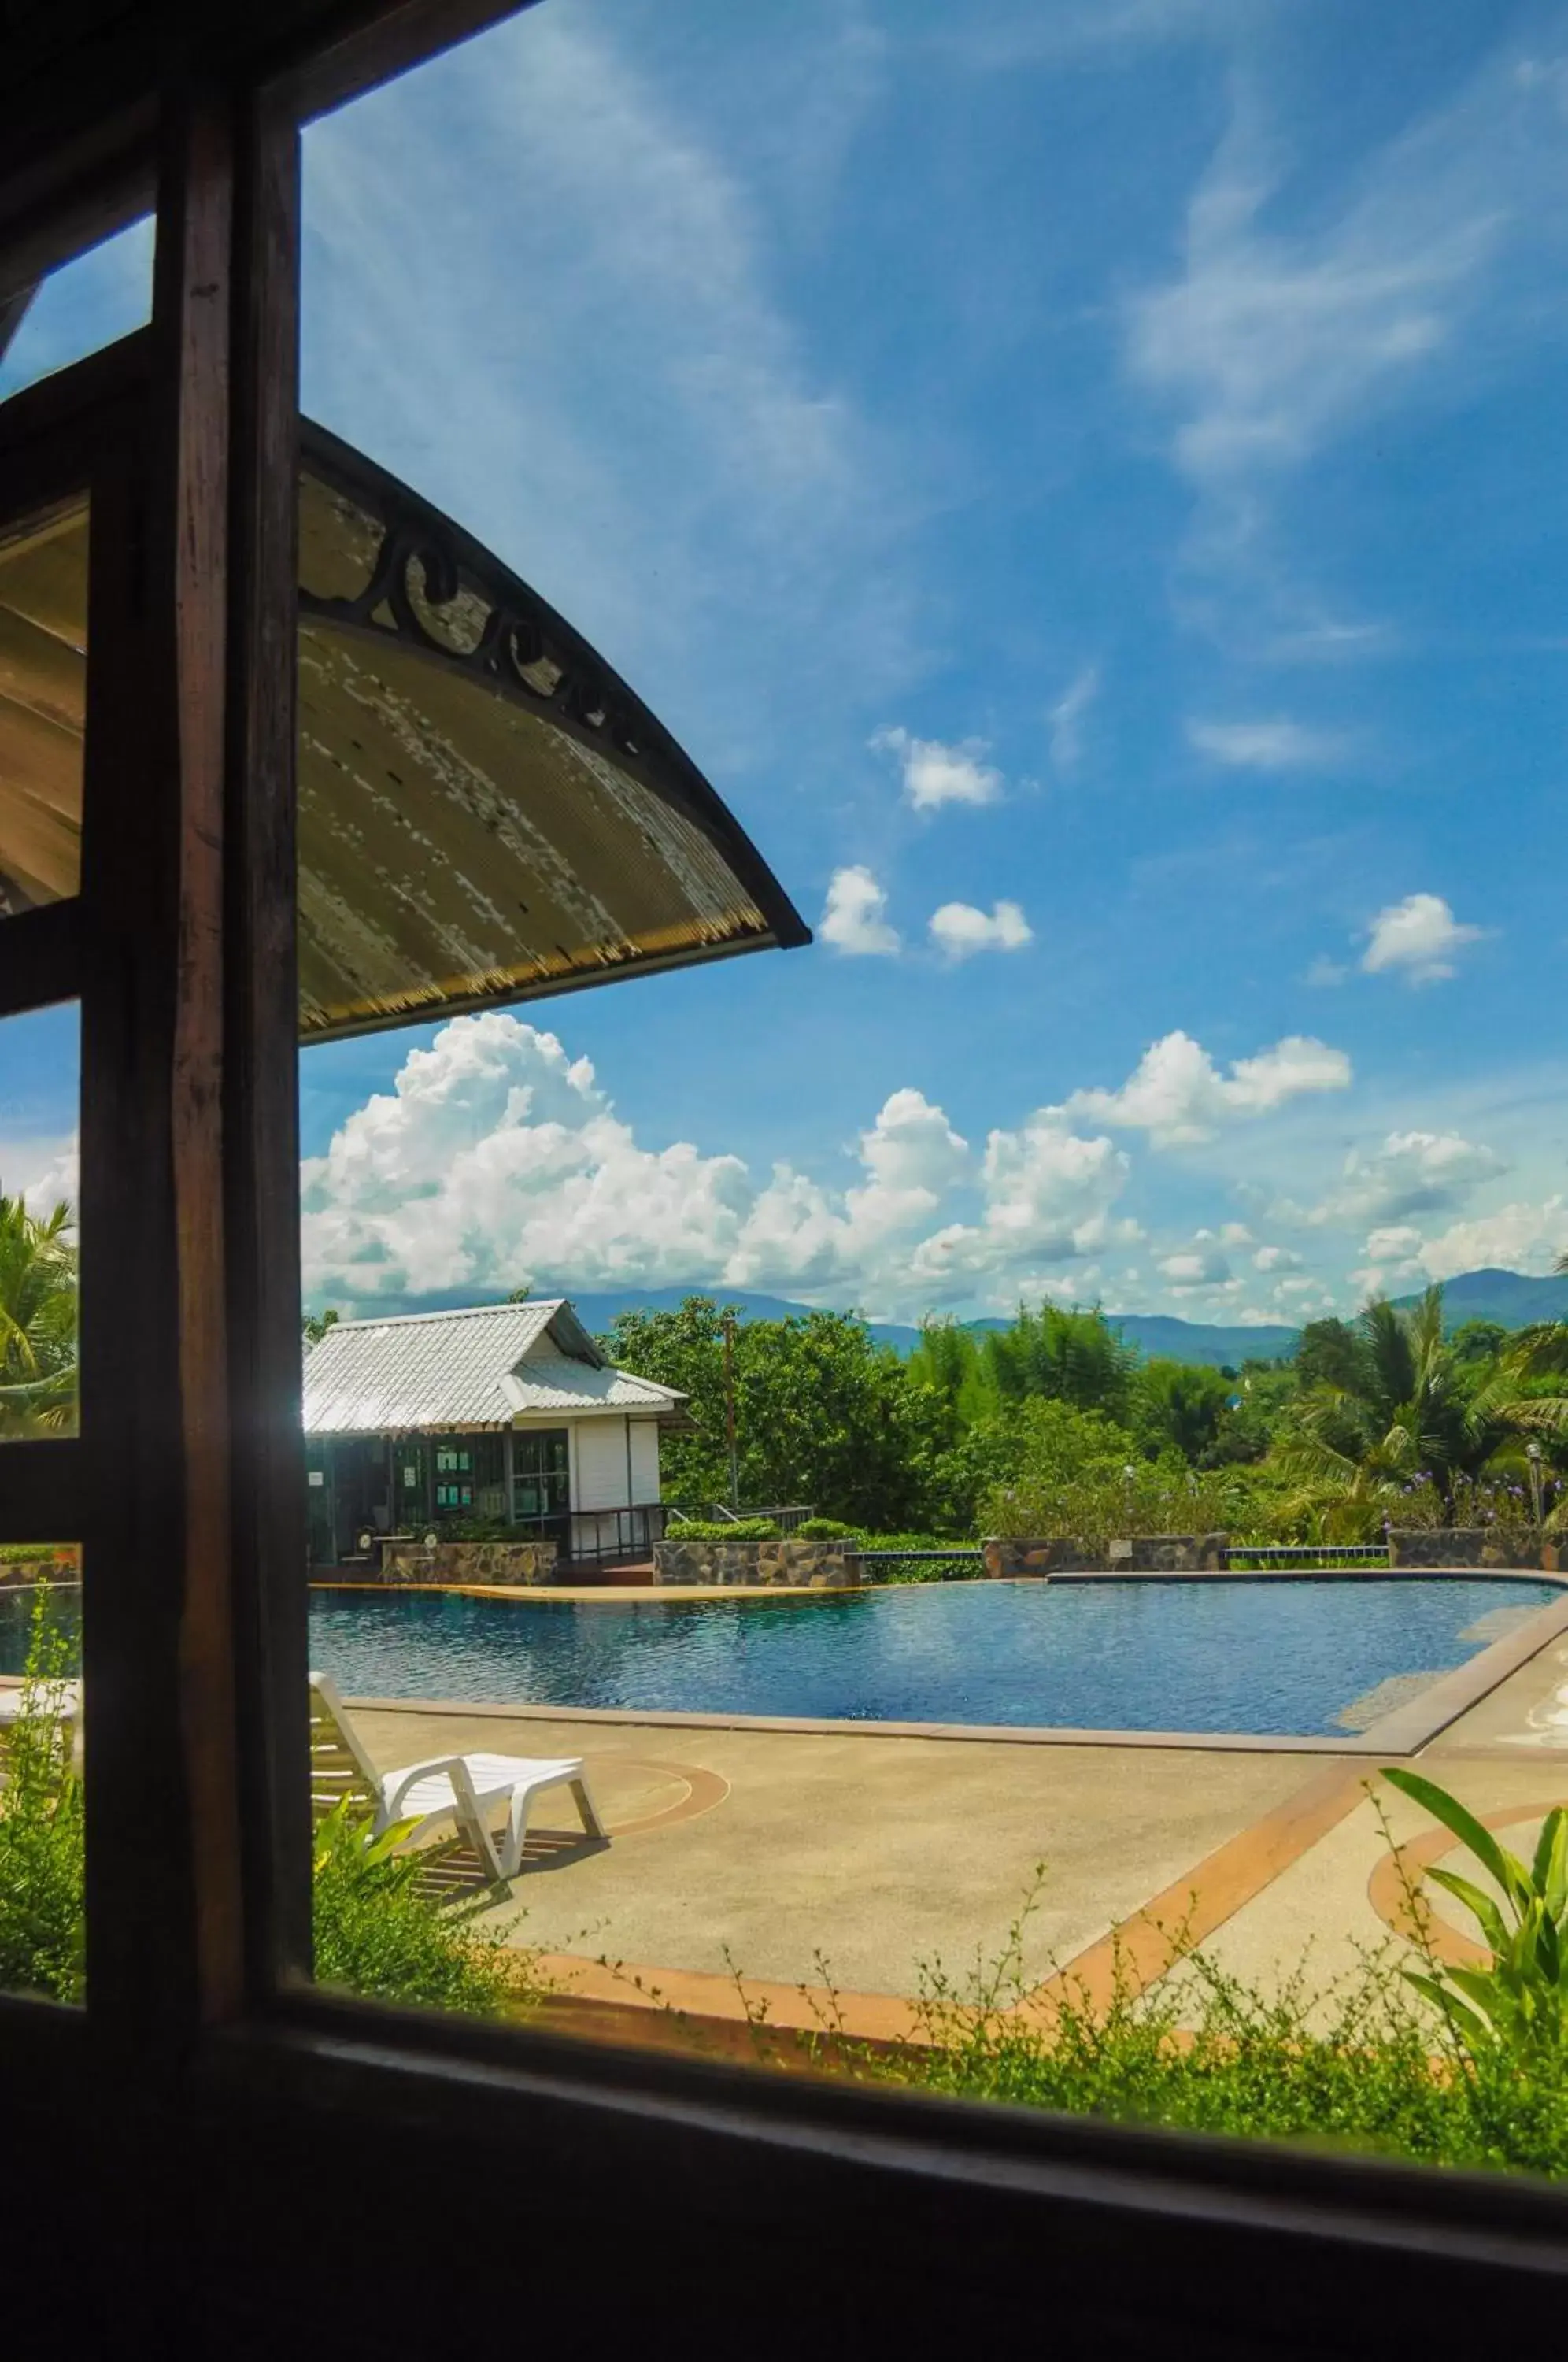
(645, 1459)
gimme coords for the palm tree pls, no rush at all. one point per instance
(37, 1320)
(1404, 1405)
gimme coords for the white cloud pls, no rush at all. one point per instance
(1277, 746)
(935, 774)
(1276, 1259)
(1325, 972)
(1201, 1265)
(497, 1158)
(853, 919)
(1177, 1094)
(41, 1171)
(1417, 938)
(961, 931)
(1412, 1172)
(1235, 1234)
(1048, 1195)
(1066, 718)
(1520, 1237)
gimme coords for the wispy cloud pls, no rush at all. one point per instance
(541, 289)
(1265, 746)
(1066, 718)
(936, 773)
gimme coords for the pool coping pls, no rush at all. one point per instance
(1404, 1732)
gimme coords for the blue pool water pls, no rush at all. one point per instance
(1286, 1659)
(1268, 1657)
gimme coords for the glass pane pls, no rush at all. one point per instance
(39, 1069)
(88, 303)
(41, 1819)
(1144, 646)
(43, 682)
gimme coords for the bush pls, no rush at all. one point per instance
(826, 1529)
(41, 1859)
(721, 1529)
(378, 1936)
(474, 1529)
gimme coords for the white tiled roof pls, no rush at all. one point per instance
(445, 1370)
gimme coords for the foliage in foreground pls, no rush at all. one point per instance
(380, 1935)
(1351, 2065)
(37, 1320)
(1517, 2003)
(379, 1932)
(42, 1854)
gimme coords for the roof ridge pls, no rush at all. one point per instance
(457, 1312)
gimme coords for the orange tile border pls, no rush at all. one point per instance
(618, 2001)
(1410, 1862)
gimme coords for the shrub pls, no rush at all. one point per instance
(378, 1936)
(827, 1529)
(42, 1858)
(722, 1530)
(475, 1530)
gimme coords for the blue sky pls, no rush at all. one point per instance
(1082, 481)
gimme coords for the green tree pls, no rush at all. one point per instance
(37, 1320)
(1180, 1405)
(314, 1325)
(823, 1414)
(1403, 1403)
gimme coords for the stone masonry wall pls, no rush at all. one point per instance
(506, 1563)
(1006, 1558)
(825, 1566)
(1482, 1546)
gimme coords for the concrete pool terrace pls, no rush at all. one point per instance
(768, 1847)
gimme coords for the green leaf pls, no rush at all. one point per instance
(1549, 1869)
(1478, 1904)
(1508, 1873)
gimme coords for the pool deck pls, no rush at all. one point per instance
(825, 1863)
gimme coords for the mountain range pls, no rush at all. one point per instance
(1512, 1298)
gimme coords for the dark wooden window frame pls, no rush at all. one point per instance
(186, 1487)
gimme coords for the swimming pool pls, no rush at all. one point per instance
(1298, 1659)
(1266, 1656)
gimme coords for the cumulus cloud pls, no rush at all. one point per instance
(1066, 718)
(42, 1173)
(853, 919)
(1520, 1237)
(1203, 1265)
(1276, 1259)
(960, 930)
(1412, 1172)
(1048, 1198)
(934, 774)
(1277, 746)
(497, 1158)
(1417, 938)
(1178, 1095)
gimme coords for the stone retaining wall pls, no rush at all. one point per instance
(1482, 1546)
(1006, 1558)
(817, 1566)
(46, 1569)
(510, 1563)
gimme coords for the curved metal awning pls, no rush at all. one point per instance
(487, 813)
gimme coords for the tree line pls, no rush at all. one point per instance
(1053, 1424)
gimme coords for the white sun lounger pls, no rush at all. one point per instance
(473, 1792)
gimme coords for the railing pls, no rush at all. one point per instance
(719, 1513)
(612, 1537)
(1304, 1555)
(958, 1565)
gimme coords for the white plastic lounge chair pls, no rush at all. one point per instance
(471, 1791)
